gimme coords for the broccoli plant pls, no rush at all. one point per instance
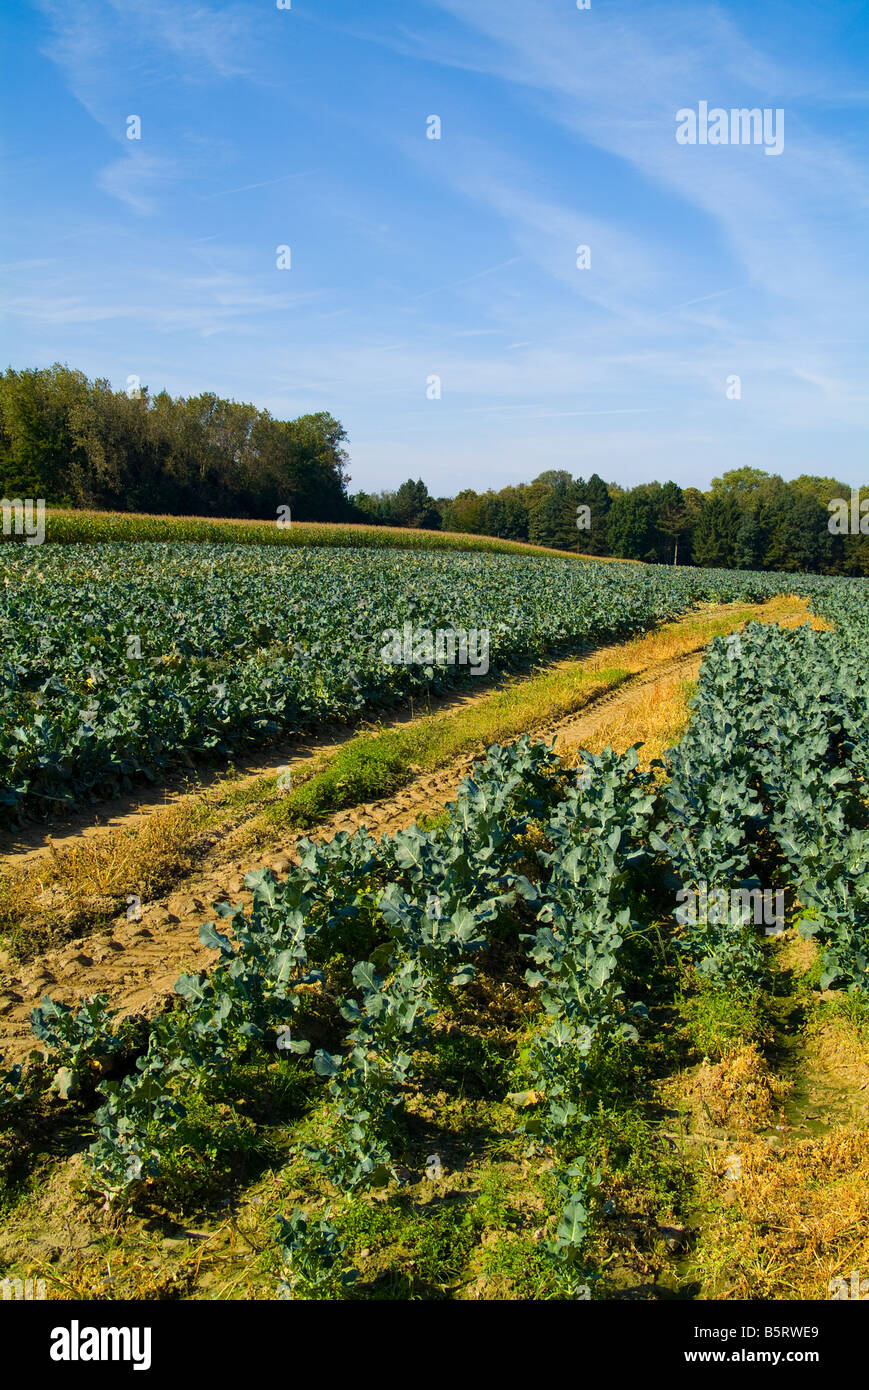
(311, 1253)
(366, 1082)
(11, 1088)
(84, 1043)
(565, 1251)
(252, 991)
(133, 1123)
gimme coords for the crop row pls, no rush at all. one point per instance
(121, 662)
(770, 782)
(424, 905)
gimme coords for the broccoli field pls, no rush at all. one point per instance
(123, 661)
(561, 1038)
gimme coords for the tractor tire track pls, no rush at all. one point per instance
(136, 962)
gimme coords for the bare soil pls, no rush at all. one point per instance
(136, 962)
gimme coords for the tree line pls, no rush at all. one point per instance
(748, 519)
(80, 443)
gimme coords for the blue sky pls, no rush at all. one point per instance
(456, 257)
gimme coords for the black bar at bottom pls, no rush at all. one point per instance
(59, 1340)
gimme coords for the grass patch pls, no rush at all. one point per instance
(717, 1022)
(794, 1225)
(376, 764)
(739, 1093)
(82, 887)
(370, 766)
(852, 1010)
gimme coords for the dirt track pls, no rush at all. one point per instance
(137, 962)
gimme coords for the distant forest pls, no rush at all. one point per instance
(80, 443)
(747, 520)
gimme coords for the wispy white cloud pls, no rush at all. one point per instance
(99, 43)
(113, 55)
(262, 183)
(700, 299)
(469, 279)
(221, 41)
(617, 84)
(136, 178)
(783, 228)
(224, 297)
(459, 259)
